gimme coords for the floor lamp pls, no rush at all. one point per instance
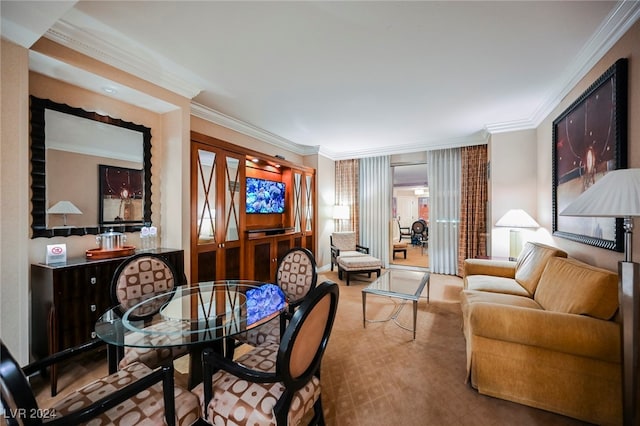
(617, 194)
(340, 213)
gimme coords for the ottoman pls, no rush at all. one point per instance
(400, 248)
(358, 264)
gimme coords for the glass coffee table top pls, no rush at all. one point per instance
(397, 284)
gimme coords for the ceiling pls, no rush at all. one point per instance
(347, 79)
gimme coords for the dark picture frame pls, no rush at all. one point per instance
(121, 195)
(589, 140)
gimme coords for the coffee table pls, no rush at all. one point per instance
(397, 284)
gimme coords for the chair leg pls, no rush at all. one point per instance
(318, 413)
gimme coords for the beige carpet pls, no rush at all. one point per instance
(378, 375)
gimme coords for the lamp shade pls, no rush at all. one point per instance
(64, 207)
(616, 194)
(517, 218)
(340, 212)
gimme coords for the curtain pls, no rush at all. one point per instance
(347, 193)
(444, 195)
(473, 208)
(375, 206)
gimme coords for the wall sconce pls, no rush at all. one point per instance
(515, 219)
(64, 208)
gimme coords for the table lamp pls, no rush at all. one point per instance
(516, 219)
(617, 194)
(64, 208)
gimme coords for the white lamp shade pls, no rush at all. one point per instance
(341, 212)
(64, 207)
(616, 194)
(517, 218)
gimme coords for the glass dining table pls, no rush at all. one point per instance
(196, 316)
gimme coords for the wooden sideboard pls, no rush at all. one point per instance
(68, 298)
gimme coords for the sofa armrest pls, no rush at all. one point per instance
(569, 333)
(497, 268)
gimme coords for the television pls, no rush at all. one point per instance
(264, 196)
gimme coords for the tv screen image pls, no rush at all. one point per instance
(265, 196)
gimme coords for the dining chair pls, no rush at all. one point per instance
(141, 277)
(274, 384)
(405, 231)
(296, 276)
(134, 395)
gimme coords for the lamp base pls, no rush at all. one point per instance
(629, 297)
(515, 244)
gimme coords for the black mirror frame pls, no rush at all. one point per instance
(38, 170)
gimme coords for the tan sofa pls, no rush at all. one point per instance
(543, 332)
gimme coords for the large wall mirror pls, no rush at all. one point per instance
(89, 172)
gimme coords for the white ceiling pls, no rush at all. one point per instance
(350, 78)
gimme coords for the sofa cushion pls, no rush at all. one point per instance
(469, 297)
(495, 284)
(531, 263)
(571, 286)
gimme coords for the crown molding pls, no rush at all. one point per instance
(621, 18)
(159, 73)
(478, 138)
(213, 116)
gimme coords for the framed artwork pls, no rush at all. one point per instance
(121, 195)
(589, 140)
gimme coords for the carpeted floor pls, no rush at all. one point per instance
(378, 375)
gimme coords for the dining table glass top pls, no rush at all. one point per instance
(189, 315)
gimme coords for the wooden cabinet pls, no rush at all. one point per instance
(225, 240)
(68, 298)
(263, 254)
(303, 208)
(217, 216)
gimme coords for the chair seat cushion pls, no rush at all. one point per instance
(359, 263)
(147, 407)
(264, 334)
(245, 403)
(350, 253)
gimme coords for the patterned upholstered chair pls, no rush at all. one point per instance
(345, 244)
(284, 379)
(133, 395)
(296, 276)
(141, 277)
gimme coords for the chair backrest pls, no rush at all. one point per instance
(418, 227)
(296, 274)
(305, 339)
(344, 240)
(16, 394)
(139, 278)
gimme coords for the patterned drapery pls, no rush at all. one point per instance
(347, 193)
(473, 204)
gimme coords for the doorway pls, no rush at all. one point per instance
(410, 205)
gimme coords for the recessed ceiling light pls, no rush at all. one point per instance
(109, 90)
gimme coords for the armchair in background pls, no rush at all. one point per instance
(345, 244)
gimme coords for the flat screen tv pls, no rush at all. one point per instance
(265, 196)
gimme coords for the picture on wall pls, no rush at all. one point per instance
(589, 140)
(121, 195)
